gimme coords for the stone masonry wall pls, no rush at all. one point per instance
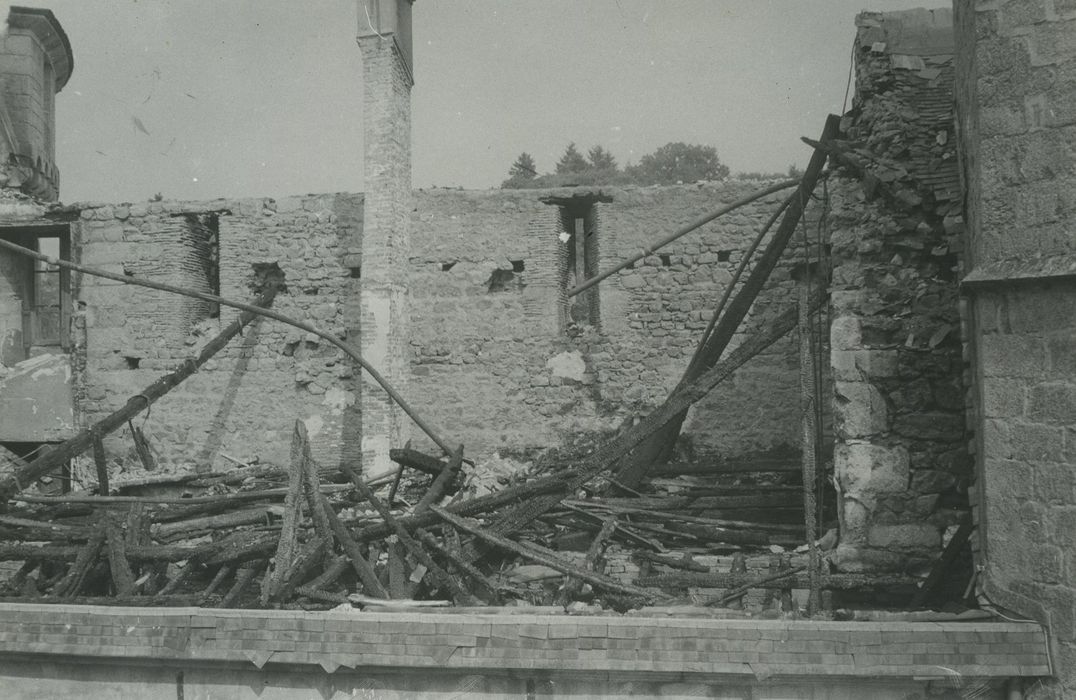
(1018, 110)
(245, 401)
(901, 457)
(498, 364)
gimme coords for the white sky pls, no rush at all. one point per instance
(264, 97)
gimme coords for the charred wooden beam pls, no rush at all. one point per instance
(71, 584)
(546, 559)
(243, 579)
(12, 483)
(443, 577)
(363, 569)
(730, 580)
(289, 531)
(658, 446)
(684, 561)
(441, 486)
(413, 459)
(122, 577)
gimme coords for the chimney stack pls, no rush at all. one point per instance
(384, 38)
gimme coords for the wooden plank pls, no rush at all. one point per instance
(289, 531)
(100, 462)
(71, 584)
(443, 483)
(441, 576)
(532, 554)
(122, 577)
(363, 569)
(243, 579)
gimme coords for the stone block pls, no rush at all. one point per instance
(855, 365)
(853, 559)
(932, 425)
(845, 333)
(1003, 398)
(867, 469)
(1061, 356)
(1011, 356)
(860, 410)
(904, 536)
(932, 481)
(1053, 402)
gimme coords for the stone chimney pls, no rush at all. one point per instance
(385, 40)
(35, 63)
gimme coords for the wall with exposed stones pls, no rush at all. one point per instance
(496, 360)
(501, 360)
(244, 402)
(1017, 110)
(901, 458)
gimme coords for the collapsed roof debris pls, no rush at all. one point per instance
(314, 536)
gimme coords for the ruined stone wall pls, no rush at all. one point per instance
(497, 363)
(246, 400)
(501, 363)
(901, 457)
(1018, 65)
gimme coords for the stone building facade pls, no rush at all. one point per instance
(901, 460)
(1017, 107)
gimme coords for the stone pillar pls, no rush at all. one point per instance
(384, 34)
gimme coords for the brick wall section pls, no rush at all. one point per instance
(693, 648)
(1018, 67)
(503, 370)
(385, 245)
(901, 456)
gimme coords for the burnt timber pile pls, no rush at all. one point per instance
(611, 523)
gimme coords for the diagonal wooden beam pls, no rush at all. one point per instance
(12, 482)
(657, 449)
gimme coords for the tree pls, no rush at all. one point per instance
(572, 161)
(679, 162)
(601, 159)
(522, 174)
(524, 167)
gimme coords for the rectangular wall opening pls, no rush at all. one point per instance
(36, 295)
(580, 222)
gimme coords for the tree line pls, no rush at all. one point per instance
(670, 164)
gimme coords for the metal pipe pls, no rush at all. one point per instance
(276, 316)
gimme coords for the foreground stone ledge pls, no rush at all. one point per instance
(562, 643)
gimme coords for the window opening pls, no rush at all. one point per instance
(206, 230)
(46, 305)
(580, 223)
(42, 289)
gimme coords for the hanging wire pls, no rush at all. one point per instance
(851, 67)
